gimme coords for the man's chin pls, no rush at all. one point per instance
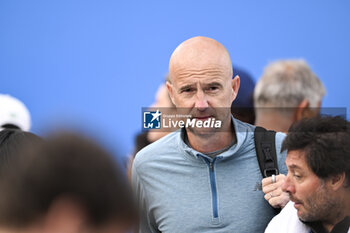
(203, 118)
(300, 209)
(202, 131)
(303, 216)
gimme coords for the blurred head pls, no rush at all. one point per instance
(12, 141)
(201, 79)
(318, 162)
(68, 184)
(13, 114)
(287, 85)
(163, 101)
(162, 98)
(243, 107)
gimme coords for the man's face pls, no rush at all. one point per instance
(311, 195)
(205, 92)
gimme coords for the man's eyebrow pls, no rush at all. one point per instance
(293, 166)
(214, 84)
(185, 87)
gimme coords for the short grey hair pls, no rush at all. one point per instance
(285, 83)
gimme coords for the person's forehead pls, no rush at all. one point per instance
(205, 73)
(201, 80)
(197, 60)
(296, 158)
(200, 61)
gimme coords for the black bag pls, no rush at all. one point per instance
(266, 151)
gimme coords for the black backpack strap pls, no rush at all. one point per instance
(266, 151)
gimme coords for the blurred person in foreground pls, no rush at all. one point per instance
(203, 179)
(11, 143)
(288, 91)
(67, 184)
(318, 179)
(13, 114)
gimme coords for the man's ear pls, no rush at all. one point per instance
(170, 91)
(337, 181)
(235, 82)
(304, 111)
(301, 110)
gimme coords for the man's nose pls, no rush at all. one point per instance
(288, 185)
(201, 101)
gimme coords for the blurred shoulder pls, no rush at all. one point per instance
(157, 150)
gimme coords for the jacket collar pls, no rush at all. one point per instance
(240, 130)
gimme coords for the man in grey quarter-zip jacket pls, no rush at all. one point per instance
(203, 179)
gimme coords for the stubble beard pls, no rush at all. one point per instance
(218, 114)
(320, 207)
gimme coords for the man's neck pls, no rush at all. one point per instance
(341, 225)
(273, 121)
(344, 212)
(212, 142)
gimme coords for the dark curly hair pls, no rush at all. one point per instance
(326, 142)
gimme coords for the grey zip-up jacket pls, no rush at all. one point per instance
(182, 190)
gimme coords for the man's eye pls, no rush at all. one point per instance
(298, 177)
(213, 88)
(187, 90)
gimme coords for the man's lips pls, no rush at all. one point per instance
(202, 117)
(297, 203)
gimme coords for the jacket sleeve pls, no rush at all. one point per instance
(147, 222)
(281, 155)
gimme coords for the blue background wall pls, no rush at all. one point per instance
(94, 64)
